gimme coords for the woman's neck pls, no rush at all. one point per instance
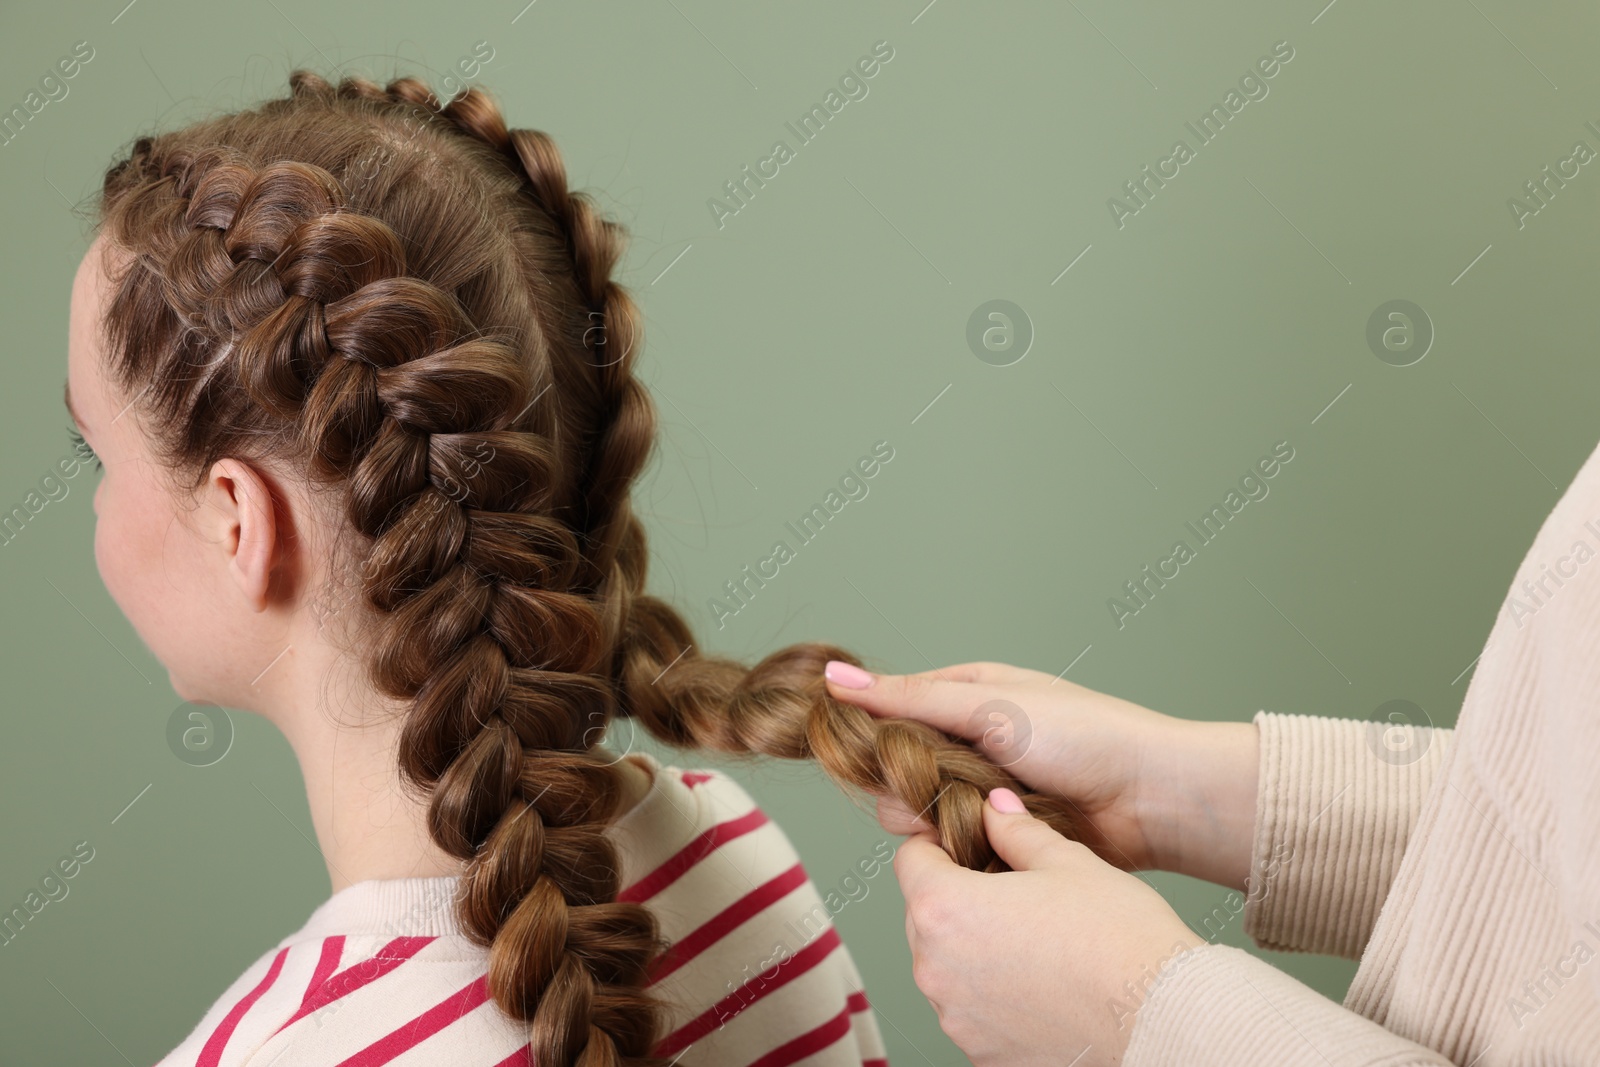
(369, 824)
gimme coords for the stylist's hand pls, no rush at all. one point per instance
(1166, 793)
(1032, 966)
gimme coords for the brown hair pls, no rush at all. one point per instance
(403, 304)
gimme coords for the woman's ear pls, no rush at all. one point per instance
(244, 525)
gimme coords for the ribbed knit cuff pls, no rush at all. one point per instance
(1337, 801)
(1218, 1005)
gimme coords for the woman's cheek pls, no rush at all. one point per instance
(109, 546)
(122, 552)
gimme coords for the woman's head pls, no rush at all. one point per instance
(402, 313)
(366, 382)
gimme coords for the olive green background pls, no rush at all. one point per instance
(829, 314)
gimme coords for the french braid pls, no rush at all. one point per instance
(439, 340)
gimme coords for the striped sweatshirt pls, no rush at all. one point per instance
(756, 975)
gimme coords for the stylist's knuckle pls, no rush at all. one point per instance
(896, 823)
(917, 908)
(957, 1026)
(885, 812)
(932, 910)
(928, 975)
(900, 863)
(914, 690)
(1063, 846)
(1075, 852)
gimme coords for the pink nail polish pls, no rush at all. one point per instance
(846, 674)
(1004, 800)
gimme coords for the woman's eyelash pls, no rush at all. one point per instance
(80, 446)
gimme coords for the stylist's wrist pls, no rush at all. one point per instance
(1196, 798)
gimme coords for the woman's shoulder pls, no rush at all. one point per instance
(360, 998)
(380, 973)
(688, 817)
(755, 966)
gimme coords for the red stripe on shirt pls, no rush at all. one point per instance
(424, 1026)
(332, 949)
(694, 778)
(714, 929)
(523, 1057)
(807, 1043)
(357, 975)
(857, 1003)
(749, 993)
(691, 854)
(211, 1054)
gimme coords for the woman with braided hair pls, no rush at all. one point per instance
(363, 388)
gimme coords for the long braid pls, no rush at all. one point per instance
(282, 306)
(541, 882)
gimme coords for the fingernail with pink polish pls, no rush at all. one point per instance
(1005, 801)
(846, 674)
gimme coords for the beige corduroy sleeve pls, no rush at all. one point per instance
(1337, 802)
(1219, 1005)
(1335, 807)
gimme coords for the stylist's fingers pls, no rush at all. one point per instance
(943, 704)
(983, 672)
(915, 944)
(923, 868)
(920, 864)
(1024, 842)
(904, 862)
(987, 672)
(897, 818)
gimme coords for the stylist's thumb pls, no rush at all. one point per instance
(1025, 843)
